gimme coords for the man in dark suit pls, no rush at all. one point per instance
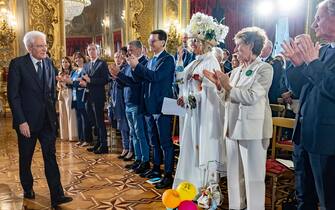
(95, 77)
(157, 76)
(187, 55)
(31, 96)
(312, 76)
(277, 65)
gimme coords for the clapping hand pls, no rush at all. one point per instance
(308, 50)
(180, 51)
(86, 78)
(292, 52)
(114, 70)
(132, 61)
(82, 83)
(224, 79)
(211, 76)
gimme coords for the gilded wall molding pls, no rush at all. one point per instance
(139, 19)
(47, 16)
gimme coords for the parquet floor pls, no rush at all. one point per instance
(94, 181)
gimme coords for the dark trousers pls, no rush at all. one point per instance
(83, 125)
(161, 123)
(314, 177)
(97, 116)
(47, 138)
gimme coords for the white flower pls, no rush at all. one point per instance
(206, 28)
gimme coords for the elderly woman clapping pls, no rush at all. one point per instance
(248, 124)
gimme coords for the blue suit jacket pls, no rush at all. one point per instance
(157, 83)
(31, 99)
(315, 83)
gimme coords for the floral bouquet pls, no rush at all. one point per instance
(207, 28)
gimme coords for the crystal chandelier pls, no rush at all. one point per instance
(74, 8)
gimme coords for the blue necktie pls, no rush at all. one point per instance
(153, 63)
(39, 70)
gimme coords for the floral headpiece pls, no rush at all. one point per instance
(207, 28)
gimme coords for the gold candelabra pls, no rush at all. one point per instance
(174, 39)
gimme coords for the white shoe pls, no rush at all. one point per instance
(85, 144)
(78, 143)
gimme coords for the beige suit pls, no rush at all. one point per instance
(248, 127)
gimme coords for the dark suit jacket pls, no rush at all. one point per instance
(277, 80)
(315, 83)
(227, 66)
(188, 57)
(31, 99)
(99, 76)
(157, 82)
(133, 90)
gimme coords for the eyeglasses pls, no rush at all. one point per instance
(153, 40)
(41, 46)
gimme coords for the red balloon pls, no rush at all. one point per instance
(187, 205)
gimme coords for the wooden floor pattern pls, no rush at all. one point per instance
(94, 181)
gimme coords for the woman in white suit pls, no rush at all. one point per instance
(248, 123)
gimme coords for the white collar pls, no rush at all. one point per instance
(158, 54)
(34, 60)
(332, 45)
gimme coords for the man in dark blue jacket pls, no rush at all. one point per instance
(31, 97)
(313, 78)
(157, 77)
(95, 77)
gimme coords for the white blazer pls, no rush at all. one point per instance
(247, 109)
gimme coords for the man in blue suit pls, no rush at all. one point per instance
(31, 97)
(313, 78)
(95, 77)
(157, 77)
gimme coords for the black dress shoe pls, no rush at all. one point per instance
(151, 174)
(29, 194)
(101, 150)
(128, 158)
(143, 167)
(133, 165)
(61, 200)
(92, 149)
(122, 155)
(166, 182)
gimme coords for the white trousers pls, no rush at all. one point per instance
(246, 161)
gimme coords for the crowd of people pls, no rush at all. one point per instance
(227, 127)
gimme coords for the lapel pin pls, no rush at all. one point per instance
(248, 73)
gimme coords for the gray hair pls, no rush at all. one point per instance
(29, 38)
(136, 43)
(96, 47)
(268, 42)
(330, 4)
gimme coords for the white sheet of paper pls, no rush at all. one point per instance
(170, 107)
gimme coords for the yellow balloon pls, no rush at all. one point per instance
(187, 191)
(171, 199)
